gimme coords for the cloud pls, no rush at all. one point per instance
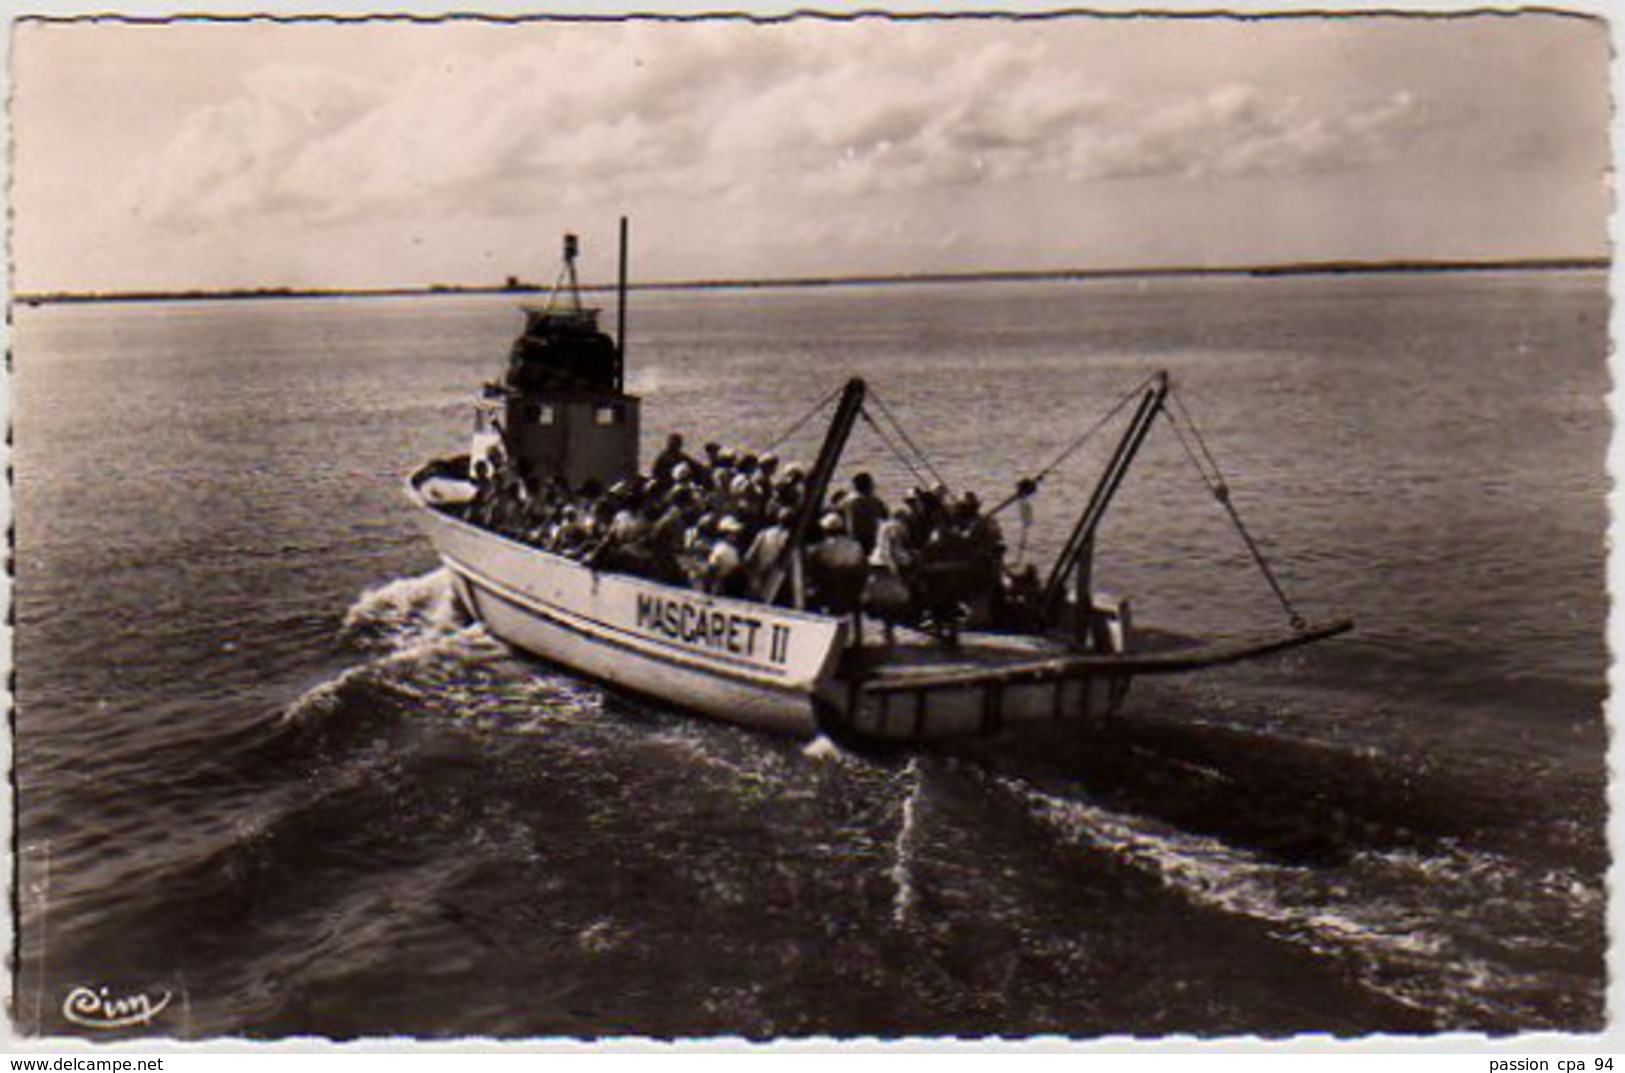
(249, 154)
(1237, 130)
(726, 112)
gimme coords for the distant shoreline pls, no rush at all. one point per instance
(1312, 268)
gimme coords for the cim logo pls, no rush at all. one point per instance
(101, 1008)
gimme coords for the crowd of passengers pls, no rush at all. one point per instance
(720, 524)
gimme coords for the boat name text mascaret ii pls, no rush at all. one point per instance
(699, 626)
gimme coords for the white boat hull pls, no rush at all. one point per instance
(731, 659)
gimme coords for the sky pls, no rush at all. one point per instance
(321, 154)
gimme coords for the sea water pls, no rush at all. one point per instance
(271, 782)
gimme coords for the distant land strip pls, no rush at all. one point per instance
(518, 286)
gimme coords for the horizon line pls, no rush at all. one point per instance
(515, 285)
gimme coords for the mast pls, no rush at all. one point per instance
(823, 471)
(620, 313)
(1080, 545)
(567, 286)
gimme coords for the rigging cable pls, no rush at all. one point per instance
(1213, 477)
(891, 446)
(802, 420)
(1027, 486)
(902, 433)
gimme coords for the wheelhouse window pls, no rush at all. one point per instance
(614, 414)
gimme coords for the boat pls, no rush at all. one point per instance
(773, 658)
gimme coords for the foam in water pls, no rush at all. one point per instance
(417, 623)
(418, 670)
(821, 748)
(600, 937)
(906, 896)
(1397, 947)
(405, 612)
(319, 701)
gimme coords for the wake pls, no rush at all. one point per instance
(1389, 917)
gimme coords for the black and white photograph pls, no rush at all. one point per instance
(897, 525)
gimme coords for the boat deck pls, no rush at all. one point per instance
(916, 654)
(918, 661)
(920, 688)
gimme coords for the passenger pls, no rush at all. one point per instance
(762, 479)
(674, 518)
(672, 456)
(538, 518)
(836, 569)
(697, 548)
(483, 507)
(893, 543)
(692, 473)
(666, 536)
(787, 491)
(864, 512)
(766, 550)
(630, 547)
(1023, 605)
(598, 520)
(886, 594)
(744, 504)
(982, 530)
(539, 504)
(511, 505)
(720, 497)
(700, 533)
(931, 508)
(628, 525)
(949, 577)
(907, 519)
(553, 535)
(789, 487)
(572, 535)
(486, 465)
(980, 543)
(724, 568)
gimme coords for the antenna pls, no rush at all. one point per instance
(620, 312)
